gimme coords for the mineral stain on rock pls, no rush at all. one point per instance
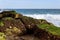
(14, 26)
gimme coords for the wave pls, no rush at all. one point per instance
(1, 10)
(52, 18)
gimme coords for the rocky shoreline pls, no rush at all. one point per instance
(18, 27)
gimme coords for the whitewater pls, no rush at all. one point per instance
(52, 18)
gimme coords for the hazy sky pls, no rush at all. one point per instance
(27, 4)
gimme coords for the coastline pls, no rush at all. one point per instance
(49, 17)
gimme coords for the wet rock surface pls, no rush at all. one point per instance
(18, 27)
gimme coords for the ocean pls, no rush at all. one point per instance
(51, 15)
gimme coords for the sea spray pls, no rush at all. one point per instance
(53, 18)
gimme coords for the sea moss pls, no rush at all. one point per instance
(50, 28)
(1, 23)
(2, 36)
(8, 12)
(11, 31)
(7, 18)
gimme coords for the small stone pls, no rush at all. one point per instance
(10, 27)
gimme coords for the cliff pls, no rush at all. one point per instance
(15, 26)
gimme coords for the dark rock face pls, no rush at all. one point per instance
(19, 27)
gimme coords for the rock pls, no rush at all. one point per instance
(17, 16)
(1, 15)
(19, 27)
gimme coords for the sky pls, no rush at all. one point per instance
(29, 4)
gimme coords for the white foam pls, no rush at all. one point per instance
(55, 19)
(1, 10)
(4, 10)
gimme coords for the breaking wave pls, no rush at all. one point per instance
(52, 18)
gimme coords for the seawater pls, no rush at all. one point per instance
(51, 15)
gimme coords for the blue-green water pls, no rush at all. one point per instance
(38, 11)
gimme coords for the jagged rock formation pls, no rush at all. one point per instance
(14, 26)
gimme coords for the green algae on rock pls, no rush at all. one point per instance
(50, 28)
(1, 23)
(14, 26)
(2, 36)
